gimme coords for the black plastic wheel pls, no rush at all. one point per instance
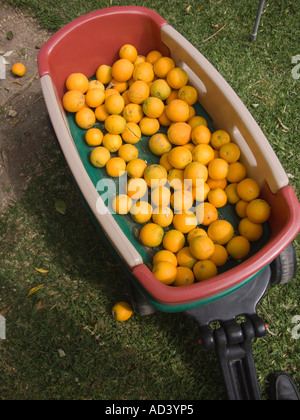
(284, 267)
(140, 304)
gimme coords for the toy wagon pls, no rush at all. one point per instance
(95, 39)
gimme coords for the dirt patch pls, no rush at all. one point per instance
(24, 126)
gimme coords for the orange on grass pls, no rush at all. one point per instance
(99, 156)
(176, 178)
(162, 66)
(196, 173)
(122, 311)
(137, 188)
(114, 104)
(18, 69)
(165, 272)
(128, 152)
(236, 172)
(238, 247)
(182, 200)
(230, 152)
(252, 231)
(194, 233)
(188, 94)
(138, 92)
(179, 133)
(248, 189)
(160, 89)
(128, 51)
(112, 142)
(240, 208)
(151, 235)
(206, 213)
(178, 110)
(177, 78)
(153, 56)
(115, 167)
(73, 100)
(202, 247)
(94, 97)
(203, 153)
(197, 120)
(100, 113)
(220, 231)
(217, 197)
(143, 71)
(103, 74)
(201, 134)
(77, 81)
(149, 126)
(160, 196)
(94, 137)
(218, 138)
(218, 168)
(163, 216)
(216, 183)
(184, 277)
(155, 175)
(173, 240)
(132, 133)
(185, 257)
(133, 113)
(122, 70)
(141, 211)
(220, 255)
(164, 161)
(121, 204)
(204, 270)
(165, 255)
(135, 168)
(153, 107)
(231, 192)
(185, 222)
(159, 144)
(85, 118)
(115, 124)
(258, 210)
(179, 157)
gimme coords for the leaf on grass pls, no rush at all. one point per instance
(60, 206)
(9, 35)
(35, 289)
(41, 270)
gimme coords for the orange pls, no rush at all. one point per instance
(194, 233)
(216, 183)
(163, 216)
(94, 97)
(196, 173)
(165, 272)
(173, 95)
(116, 167)
(160, 89)
(159, 144)
(140, 59)
(179, 157)
(149, 126)
(153, 56)
(200, 191)
(112, 142)
(185, 257)
(135, 168)
(258, 211)
(185, 222)
(114, 104)
(121, 204)
(220, 255)
(165, 255)
(103, 74)
(231, 192)
(155, 175)
(18, 69)
(77, 81)
(94, 137)
(85, 118)
(133, 113)
(125, 97)
(204, 270)
(177, 110)
(220, 231)
(202, 247)
(203, 153)
(138, 92)
(122, 311)
(236, 172)
(73, 101)
(176, 179)
(182, 200)
(218, 169)
(151, 235)
(206, 213)
(230, 152)
(128, 152)
(122, 70)
(141, 211)
(177, 78)
(153, 107)
(218, 138)
(189, 145)
(115, 124)
(173, 240)
(110, 91)
(132, 133)
(165, 162)
(96, 84)
(99, 156)
(240, 208)
(160, 196)
(128, 51)
(248, 189)
(143, 71)
(120, 87)
(164, 120)
(197, 120)
(137, 188)
(238, 247)
(252, 231)
(179, 133)
(162, 66)
(188, 94)
(201, 134)
(100, 113)
(217, 197)
(184, 277)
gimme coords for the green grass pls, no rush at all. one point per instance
(158, 356)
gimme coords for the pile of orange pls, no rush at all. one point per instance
(199, 171)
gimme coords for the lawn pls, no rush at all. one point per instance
(62, 342)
